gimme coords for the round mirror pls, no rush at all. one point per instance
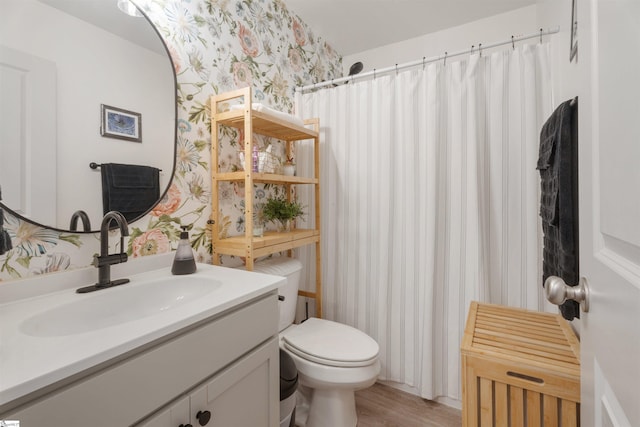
(82, 84)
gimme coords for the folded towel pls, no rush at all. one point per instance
(129, 189)
(5, 239)
(558, 166)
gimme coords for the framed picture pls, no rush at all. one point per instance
(120, 124)
(574, 31)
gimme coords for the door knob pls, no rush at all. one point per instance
(557, 292)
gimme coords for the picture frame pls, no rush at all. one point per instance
(120, 123)
(573, 48)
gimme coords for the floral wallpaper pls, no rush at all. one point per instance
(215, 46)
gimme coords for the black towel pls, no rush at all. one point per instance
(129, 189)
(5, 239)
(558, 166)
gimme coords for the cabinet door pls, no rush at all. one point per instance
(175, 415)
(246, 394)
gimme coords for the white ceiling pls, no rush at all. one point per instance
(350, 26)
(106, 15)
(353, 26)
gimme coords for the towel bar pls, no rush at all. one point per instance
(94, 165)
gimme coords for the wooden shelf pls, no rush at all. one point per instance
(267, 125)
(270, 178)
(271, 125)
(271, 242)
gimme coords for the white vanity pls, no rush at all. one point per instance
(160, 351)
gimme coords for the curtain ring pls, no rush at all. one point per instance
(480, 49)
(423, 62)
(445, 59)
(513, 43)
(396, 69)
(374, 74)
(472, 46)
(540, 35)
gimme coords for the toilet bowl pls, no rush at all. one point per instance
(333, 360)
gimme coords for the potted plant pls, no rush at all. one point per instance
(282, 212)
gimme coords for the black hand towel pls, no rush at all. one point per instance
(558, 166)
(5, 239)
(129, 189)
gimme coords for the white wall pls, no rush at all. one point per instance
(553, 14)
(496, 28)
(84, 81)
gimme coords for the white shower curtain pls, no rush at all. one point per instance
(429, 198)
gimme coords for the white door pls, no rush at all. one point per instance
(609, 141)
(28, 134)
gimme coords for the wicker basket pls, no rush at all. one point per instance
(266, 162)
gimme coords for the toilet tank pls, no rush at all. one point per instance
(290, 268)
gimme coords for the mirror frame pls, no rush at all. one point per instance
(175, 148)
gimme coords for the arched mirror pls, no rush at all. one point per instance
(81, 82)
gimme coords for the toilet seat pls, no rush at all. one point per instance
(331, 344)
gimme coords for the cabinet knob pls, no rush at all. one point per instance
(203, 417)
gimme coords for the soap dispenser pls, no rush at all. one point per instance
(184, 262)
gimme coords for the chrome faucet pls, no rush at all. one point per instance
(104, 261)
(82, 215)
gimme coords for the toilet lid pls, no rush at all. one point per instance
(330, 343)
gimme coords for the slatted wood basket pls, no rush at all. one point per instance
(519, 368)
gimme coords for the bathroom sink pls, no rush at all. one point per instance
(115, 306)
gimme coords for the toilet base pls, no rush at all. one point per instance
(326, 408)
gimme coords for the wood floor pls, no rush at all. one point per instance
(382, 405)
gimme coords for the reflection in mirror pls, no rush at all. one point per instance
(60, 60)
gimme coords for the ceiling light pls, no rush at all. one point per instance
(129, 8)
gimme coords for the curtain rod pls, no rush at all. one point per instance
(425, 60)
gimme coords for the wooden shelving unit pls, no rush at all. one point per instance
(263, 123)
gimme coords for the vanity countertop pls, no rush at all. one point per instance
(36, 357)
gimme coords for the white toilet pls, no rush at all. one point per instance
(333, 360)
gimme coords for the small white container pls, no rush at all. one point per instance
(289, 170)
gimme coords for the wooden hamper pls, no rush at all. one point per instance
(520, 368)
